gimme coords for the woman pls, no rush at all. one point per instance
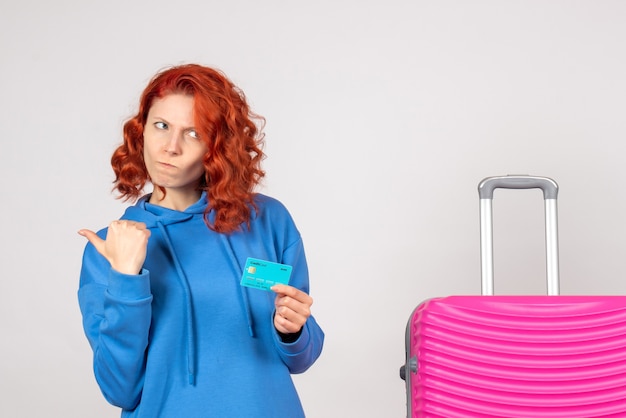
(173, 332)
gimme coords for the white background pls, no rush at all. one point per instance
(382, 117)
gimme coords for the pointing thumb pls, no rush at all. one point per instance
(94, 239)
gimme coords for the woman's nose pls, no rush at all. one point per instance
(172, 146)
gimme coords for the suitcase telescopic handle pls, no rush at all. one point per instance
(550, 192)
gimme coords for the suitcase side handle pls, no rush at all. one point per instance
(550, 192)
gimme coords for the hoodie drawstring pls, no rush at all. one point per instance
(243, 292)
(245, 300)
(191, 344)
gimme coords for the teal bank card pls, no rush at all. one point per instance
(262, 274)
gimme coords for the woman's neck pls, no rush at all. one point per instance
(174, 199)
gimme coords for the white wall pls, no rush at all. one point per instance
(382, 119)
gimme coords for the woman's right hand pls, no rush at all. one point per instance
(125, 246)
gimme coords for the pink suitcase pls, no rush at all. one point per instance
(517, 356)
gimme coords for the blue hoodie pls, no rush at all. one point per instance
(183, 338)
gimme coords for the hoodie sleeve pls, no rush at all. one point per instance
(300, 354)
(116, 310)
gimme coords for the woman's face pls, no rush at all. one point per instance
(173, 152)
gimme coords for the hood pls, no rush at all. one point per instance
(158, 217)
(153, 215)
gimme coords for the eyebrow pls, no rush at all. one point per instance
(162, 119)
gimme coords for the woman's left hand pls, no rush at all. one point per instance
(293, 308)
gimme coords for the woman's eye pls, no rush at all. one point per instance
(160, 125)
(192, 133)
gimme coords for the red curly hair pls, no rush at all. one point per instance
(224, 122)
